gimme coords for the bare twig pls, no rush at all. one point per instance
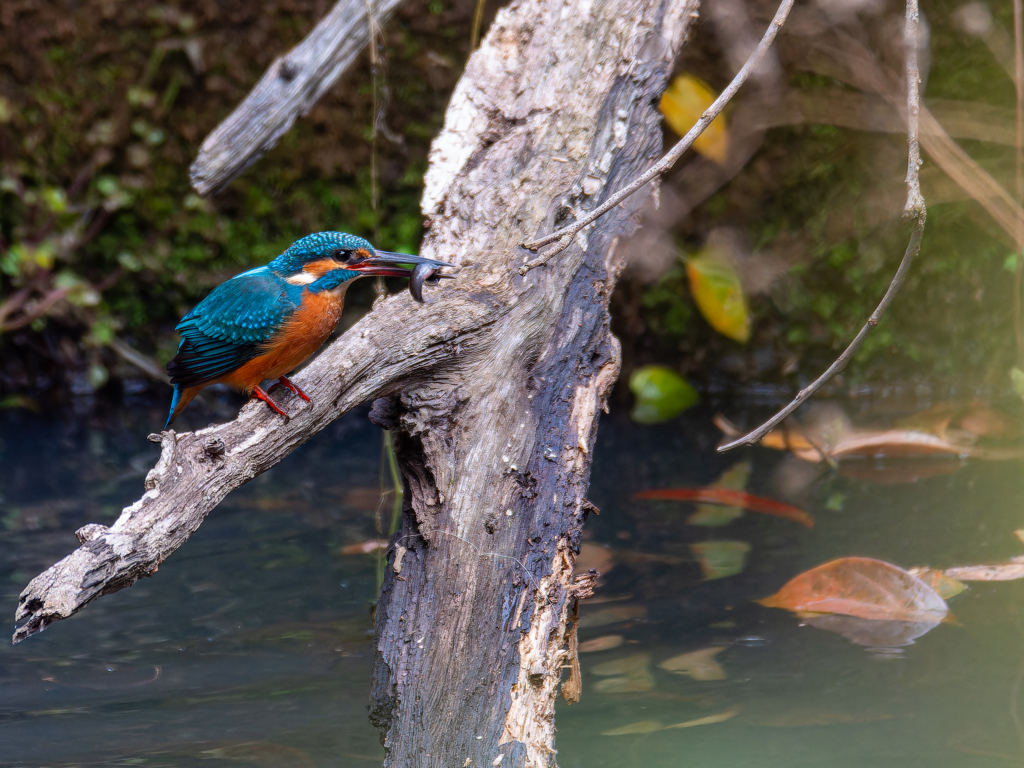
(566, 235)
(145, 364)
(289, 88)
(914, 208)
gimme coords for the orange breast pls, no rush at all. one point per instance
(303, 334)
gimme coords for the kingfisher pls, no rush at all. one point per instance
(262, 324)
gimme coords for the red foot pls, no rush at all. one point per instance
(262, 395)
(289, 385)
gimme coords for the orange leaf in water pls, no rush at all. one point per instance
(863, 587)
(732, 498)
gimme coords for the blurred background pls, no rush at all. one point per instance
(793, 200)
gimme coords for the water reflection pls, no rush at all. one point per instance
(253, 646)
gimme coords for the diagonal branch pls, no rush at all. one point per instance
(290, 87)
(566, 235)
(915, 208)
(378, 355)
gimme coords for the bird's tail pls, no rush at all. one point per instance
(182, 396)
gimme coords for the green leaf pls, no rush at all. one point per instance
(719, 559)
(661, 394)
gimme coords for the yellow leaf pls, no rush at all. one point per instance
(682, 104)
(719, 295)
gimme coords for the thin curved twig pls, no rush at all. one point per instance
(565, 235)
(915, 208)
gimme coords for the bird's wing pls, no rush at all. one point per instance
(231, 326)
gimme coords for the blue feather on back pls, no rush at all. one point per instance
(232, 325)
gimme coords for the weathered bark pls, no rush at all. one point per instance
(555, 112)
(493, 388)
(289, 88)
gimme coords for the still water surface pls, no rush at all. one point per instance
(253, 643)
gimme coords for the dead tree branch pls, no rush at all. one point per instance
(288, 89)
(914, 208)
(566, 235)
(492, 392)
(382, 352)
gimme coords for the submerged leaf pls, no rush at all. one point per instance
(631, 674)
(721, 717)
(715, 515)
(596, 556)
(683, 103)
(628, 665)
(863, 587)
(611, 615)
(650, 726)
(719, 559)
(700, 665)
(643, 726)
(661, 394)
(604, 643)
(730, 497)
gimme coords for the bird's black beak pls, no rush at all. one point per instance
(420, 270)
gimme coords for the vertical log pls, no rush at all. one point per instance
(554, 113)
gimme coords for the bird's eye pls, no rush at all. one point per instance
(342, 256)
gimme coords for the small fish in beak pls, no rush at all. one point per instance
(420, 271)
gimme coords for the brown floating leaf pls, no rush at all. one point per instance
(364, 547)
(829, 435)
(1010, 571)
(700, 665)
(605, 643)
(863, 587)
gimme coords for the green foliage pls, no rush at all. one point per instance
(97, 129)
